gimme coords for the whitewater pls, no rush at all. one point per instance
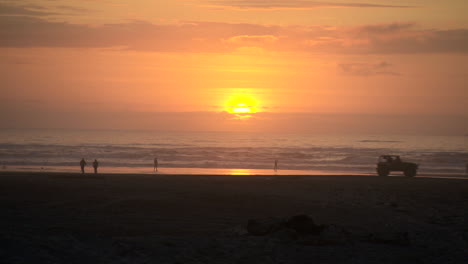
(225, 152)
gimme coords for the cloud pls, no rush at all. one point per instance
(252, 40)
(367, 69)
(292, 4)
(196, 36)
(394, 38)
(23, 10)
(72, 9)
(32, 10)
(21, 31)
(383, 29)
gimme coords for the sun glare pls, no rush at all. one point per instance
(241, 104)
(240, 172)
(241, 108)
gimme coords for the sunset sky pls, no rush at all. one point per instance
(232, 65)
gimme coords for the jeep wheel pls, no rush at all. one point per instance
(383, 172)
(411, 172)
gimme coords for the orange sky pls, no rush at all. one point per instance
(298, 65)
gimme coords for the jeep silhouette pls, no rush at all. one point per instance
(389, 163)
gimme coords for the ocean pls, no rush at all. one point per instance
(225, 152)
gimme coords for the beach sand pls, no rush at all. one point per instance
(125, 218)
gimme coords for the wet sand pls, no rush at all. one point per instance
(128, 218)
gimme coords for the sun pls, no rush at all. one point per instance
(241, 104)
(241, 109)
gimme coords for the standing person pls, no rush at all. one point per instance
(82, 165)
(276, 165)
(95, 166)
(156, 164)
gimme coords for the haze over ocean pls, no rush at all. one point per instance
(134, 151)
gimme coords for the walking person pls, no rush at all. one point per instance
(155, 164)
(95, 166)
(82, 165)
(276, 165)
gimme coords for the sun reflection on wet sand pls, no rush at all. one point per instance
(240, 172)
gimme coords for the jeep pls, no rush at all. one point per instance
(389, 163)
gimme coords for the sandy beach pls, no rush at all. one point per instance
(128, 218)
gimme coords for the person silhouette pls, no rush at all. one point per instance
(276, 165)
(156, 164)
(95, 165)
(82, 165)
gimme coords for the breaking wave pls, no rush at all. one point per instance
(230, 150)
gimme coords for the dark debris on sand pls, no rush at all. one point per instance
(158, 219)
(294, 240)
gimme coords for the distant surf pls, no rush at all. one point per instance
(251, 151)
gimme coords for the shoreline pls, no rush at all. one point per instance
(213, 172)
(179, 170)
